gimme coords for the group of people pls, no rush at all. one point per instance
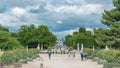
(71, 55)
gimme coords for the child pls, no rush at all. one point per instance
(41, 62)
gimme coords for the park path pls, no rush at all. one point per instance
(62, 61)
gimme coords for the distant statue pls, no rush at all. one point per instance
(106, 48)
(93, 48)
(78, 47)
(38, 47)
(82, 47)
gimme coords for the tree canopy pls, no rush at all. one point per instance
(32, 36)
(7, 42)
(111, 18)
(81, 37)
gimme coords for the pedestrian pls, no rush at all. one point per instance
(49, 54)
(73, 54)
(69, 54)
(41, 62)
(85, 56)
(82, 56)
(1, 65)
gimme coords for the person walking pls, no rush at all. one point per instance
(1, 65)
(49, 54)
(85, 56)
(73, 54)
(41, 62)
(82, 56)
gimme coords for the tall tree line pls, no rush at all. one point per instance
(81, 37)
(32, 36)
(29, 36)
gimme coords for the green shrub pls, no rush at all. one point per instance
(108, 55)
(7, 58)
(17, 56)
(101, 61)
(88, 51)
(110, 58)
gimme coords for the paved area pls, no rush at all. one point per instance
(62, 61)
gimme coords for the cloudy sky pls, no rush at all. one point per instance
(61, 16)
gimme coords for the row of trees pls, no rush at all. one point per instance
(81, 37)
(29, 36)
(103, 37)
(32, 36)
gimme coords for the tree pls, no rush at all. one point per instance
(82, 30)
(23, 31)
(4, 28)
(111, 18)
(32, 36)
(7, 42)
(68, 40)
(81, 37)
(42, 36)
(103, 38)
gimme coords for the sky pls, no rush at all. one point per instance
(61, 16)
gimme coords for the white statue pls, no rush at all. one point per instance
(38, 47)
(93, 48)
(106, 48)
(82, 47)
(78, 47)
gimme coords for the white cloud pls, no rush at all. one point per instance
(18, 11)
(89, 29)
(73, 13)
(82, 2)
(67, 32)
(70, 32)
(7, 20)
(59, 22)
(77, 10)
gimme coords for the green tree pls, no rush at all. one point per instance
(23, 31)
(103, 38)
(82, 30)
(32, 36)
(111, 18)
(7, 42)
(4, 28)
(82, 37)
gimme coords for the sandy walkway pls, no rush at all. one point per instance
(62, 61)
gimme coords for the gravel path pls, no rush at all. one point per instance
(62, 61)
